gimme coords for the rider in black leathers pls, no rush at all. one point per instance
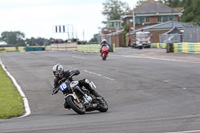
(61, 76)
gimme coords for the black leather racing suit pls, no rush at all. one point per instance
(82, 82)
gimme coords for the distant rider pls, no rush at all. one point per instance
(103, 43)
(61, 76)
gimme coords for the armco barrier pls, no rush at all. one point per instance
(158, 45)
(154, 45)
(183, 48)
(186, 47)
(163, 45)
(47, 48)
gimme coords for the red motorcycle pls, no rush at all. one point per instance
(104, 52)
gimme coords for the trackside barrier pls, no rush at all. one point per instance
(92, 48)
(158, 45)
(48, 48)
(88, 48)
(34, 49)
(63, 46)
(183, 48)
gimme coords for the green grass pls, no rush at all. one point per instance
(14, 51)
(11, 103)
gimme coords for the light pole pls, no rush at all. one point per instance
(170, 4)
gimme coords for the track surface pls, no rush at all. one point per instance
(148, 91)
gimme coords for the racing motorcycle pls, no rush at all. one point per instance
(104, 52)
(80, 99)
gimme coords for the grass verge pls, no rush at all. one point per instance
(11, 102)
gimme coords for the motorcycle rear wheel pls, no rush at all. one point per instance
(75, 105)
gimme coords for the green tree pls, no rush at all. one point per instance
(94, 39)
(38, 41)
(140, 2)
(188, 14)
(13, 38)
(114, 9)
(125, 31)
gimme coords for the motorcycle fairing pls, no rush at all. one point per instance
(63, 87)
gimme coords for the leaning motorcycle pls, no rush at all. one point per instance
(80, 99)
(104, 52)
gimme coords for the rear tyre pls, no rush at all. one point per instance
(75, 105)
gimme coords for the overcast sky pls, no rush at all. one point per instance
(38, 18)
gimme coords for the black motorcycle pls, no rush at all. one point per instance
(80, 99)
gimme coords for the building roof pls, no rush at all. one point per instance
(174, 30)
(165, 25)
(154, 7)
(162, 26)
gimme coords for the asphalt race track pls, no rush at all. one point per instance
(148, 91)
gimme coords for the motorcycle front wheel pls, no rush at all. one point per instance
(104, 56)
(103, 106)
(75, 105)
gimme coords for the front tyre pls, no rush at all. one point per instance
(103, 106)
(75, 105)
(104, 56)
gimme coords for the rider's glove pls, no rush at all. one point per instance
(62, 80)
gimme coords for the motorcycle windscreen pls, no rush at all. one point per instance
(63, 87)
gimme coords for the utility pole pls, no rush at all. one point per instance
(171, 13)
(133, 20)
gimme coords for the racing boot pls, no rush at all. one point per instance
(97, 95)
(90, 86)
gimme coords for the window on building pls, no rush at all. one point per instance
(141, 20)
(128, 21)
(111, 24)
(179, 18)
(117, 24)
(171, 17)
(159, 19)
(165, 18)
(147, 19)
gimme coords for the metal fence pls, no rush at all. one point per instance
(105, 36)
(191, 33)
(171, 38)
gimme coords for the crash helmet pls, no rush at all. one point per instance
(58, 71)
(104, 41)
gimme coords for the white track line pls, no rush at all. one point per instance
(154, 58)
(192, 131)
(78, 57)
(26, 104)
(98, 75)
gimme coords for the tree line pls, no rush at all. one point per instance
(17, 38)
